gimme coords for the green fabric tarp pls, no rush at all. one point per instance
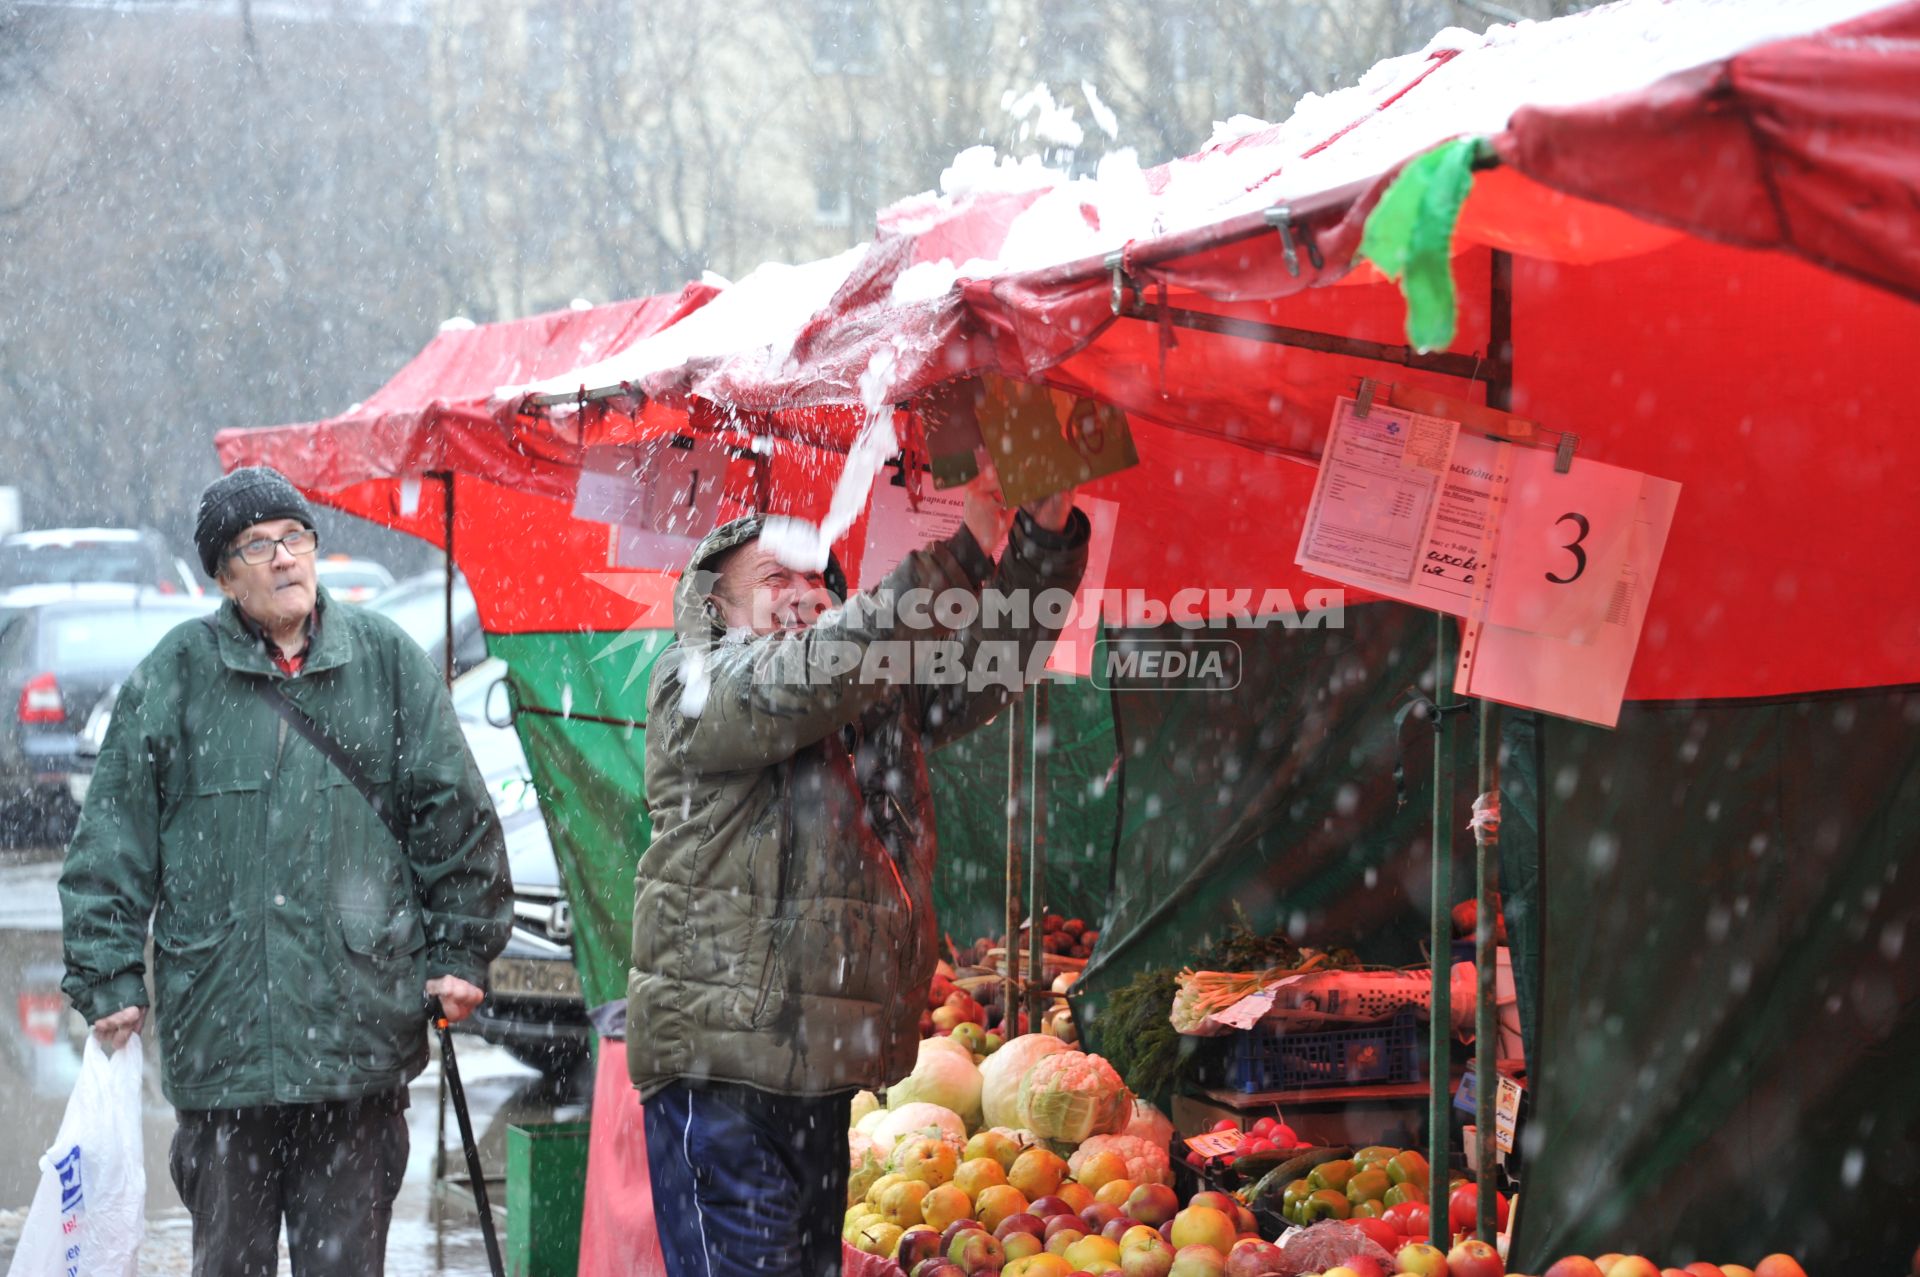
(590, 776)
(1276, 801)
(1730, 1012)
(1079, 803)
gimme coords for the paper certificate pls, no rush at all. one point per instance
(1373, 503)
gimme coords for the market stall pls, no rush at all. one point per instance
(1736, 325)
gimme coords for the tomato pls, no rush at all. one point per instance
(1464, 1203)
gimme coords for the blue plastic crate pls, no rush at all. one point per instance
(1269, 1058)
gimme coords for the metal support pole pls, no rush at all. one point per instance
(1440, 1021)
(1486, 835)
(447, 658)
(440, 1123)
(1010, 999)
(1038, 990)
(1486, 1029)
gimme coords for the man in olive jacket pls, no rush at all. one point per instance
(783, 933)
(295, 937)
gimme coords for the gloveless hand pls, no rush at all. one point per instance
(986, 514)
(114, 1030)
(1051, 512)
(458, 998)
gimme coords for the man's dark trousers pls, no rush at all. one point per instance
(745, 1181)
(332, 1170)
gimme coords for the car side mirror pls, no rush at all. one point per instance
(499, 703)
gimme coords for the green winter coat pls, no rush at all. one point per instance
(292, 935)
(783, 928)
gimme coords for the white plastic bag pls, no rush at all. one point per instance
(89, 1212)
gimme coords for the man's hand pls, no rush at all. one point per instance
(986, 514)
(1051, 512)
(457, 997)
(114, 1030)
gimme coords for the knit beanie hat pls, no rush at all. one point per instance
(233, 503)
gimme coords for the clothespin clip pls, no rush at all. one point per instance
(1280, 217)
(1363, 402)
(1116, 261)
(1563, 456)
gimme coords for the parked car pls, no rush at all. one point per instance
(64, 651)
(80, 556)
(534, 1008)
(419, 606)
(353, 580)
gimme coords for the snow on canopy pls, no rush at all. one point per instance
(1708, 204)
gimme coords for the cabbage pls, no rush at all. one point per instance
(916, 1119)
(863, 1103)
(1003, 1071)
(870, 1123)
(1150, 1124)
(1072, 1095)
(944, 1076)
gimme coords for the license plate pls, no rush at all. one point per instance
(534, 978)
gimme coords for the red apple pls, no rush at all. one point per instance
(1020, 1222)
(1633, 1266)
(1573, 1266)
(1421, 1260)
(1048, 1207)
(1166, 1232)
(1701, 1268)
(1364, 1266)
(1474, 1258)
(916, 1245)
(1067, 1223)
(1115, 1229)
(1225, 1124)
(1152, 1204)
(1098, 1216)
(1252, 1257)
(956, 1228)
(976, 1251)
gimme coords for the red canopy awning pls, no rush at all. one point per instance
(1711, 211)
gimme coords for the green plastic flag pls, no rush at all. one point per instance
(1410, 233)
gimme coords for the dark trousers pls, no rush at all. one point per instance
(745, 1181)
(331, 1170)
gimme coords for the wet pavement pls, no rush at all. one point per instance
(435, 1228)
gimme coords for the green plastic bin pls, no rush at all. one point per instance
(546, 1188)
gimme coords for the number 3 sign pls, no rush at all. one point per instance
(1563, 539)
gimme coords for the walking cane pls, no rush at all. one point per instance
(451, 1071)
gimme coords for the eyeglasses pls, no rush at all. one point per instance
(260, 550)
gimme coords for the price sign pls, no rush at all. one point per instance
(1562, 541)
(1216, 1143)
(664, 495)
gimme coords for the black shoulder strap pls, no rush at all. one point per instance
(269, 691)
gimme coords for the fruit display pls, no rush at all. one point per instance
(1478, 1259)
(941, 1195)
(1062, 937)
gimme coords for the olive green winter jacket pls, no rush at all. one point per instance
(783, 929)
(292, 935)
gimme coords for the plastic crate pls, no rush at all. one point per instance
(1272, 1059)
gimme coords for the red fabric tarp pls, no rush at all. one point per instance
(1768, 380)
